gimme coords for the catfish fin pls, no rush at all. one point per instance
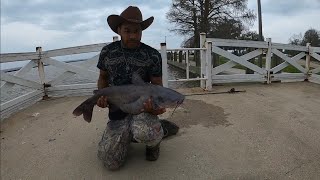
(86, 108)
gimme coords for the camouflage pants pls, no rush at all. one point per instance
(113, 146)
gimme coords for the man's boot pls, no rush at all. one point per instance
(169, 128)
(152, 153)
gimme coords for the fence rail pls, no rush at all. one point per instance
(208, 73)
(266, 73)
(43, 88)
(13, 57)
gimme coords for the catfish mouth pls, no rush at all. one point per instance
(179, 102)
(173, 104)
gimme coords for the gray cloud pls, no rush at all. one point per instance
(68, 15)
(26, 24)
(289, 7)
(85, 25)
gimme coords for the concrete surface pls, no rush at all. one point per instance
(267, 132)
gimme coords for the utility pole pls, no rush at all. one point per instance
(260, 30)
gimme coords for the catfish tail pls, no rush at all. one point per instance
(86, 108)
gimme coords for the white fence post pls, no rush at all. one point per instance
(202, 59)
(41, 71)
(187, 64)
(209, 66)
(268, 60)
(164, 64)
(308, 61)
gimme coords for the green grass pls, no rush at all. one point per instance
(223, 60)
(291, 69)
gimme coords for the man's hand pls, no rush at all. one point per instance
(102, 102)
(149, 109)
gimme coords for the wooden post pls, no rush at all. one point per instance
(175, 56)
(202, 59)
(171, 55)
(260, 31)
(308, 62)
(268, 61)
(41, 72)
(180, 56)
(209, 66)
(164, 64)
(188, 65)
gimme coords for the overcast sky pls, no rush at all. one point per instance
(26, 24)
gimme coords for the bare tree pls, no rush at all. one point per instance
(296, 39)
(311, 36)
(194, 16)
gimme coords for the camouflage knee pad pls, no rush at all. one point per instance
(113, 146)
(146, 128)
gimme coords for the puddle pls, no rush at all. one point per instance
(194, 112)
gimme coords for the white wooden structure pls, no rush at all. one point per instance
(44, 88)
(205, 52)
(264, 74)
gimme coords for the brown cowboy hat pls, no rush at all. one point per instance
(131, 14)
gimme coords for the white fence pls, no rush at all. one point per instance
(208, 75)
(267, 73)
(314, 73)
(43, 88)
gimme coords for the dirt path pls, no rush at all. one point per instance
(268, 132)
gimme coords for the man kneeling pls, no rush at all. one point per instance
(117, 62)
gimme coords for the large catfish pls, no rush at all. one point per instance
(130, 98)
